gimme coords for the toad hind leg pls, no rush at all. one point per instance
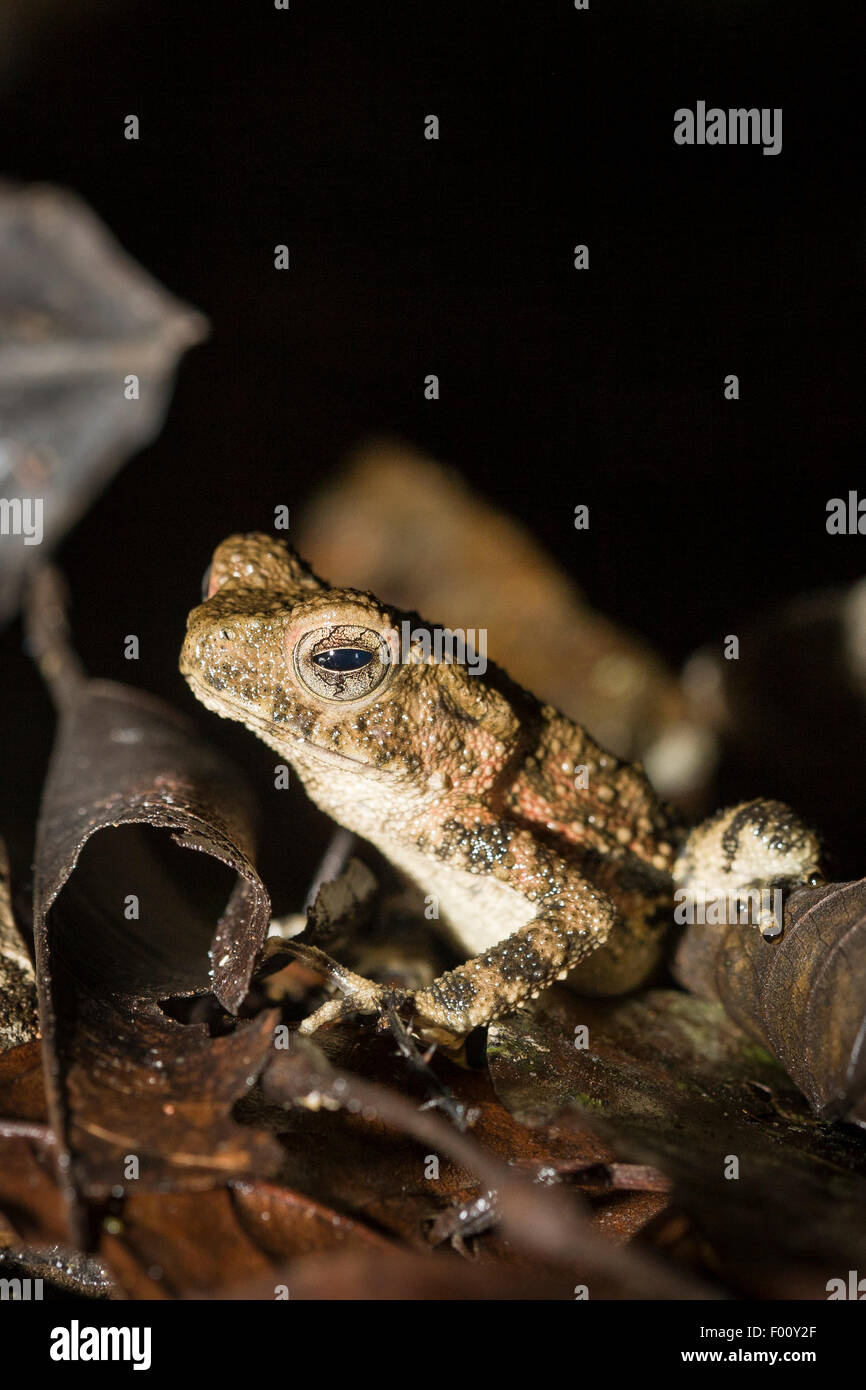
(753, 846)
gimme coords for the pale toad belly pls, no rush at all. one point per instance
(474, 909)
(477, 910)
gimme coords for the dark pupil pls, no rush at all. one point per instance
(344, 659)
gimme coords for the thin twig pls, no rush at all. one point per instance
(47, 635)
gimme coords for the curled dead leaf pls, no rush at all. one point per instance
(144, 953)
(802, 995)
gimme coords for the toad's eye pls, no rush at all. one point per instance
(342, 662)
(205, 584)
(343, 659)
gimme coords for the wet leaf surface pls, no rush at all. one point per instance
(410, 1172)
(192, 1245)
(368, 1169)
(33, 1205)
(62, 1274)
(801, 995)
(22, 1085)
(671, 1081)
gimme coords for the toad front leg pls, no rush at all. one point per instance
(516, 969)
(568, 919)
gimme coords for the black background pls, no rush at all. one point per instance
(409, 256)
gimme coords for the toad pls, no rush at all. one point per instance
(541, 855)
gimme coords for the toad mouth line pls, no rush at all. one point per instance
(267, 727)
